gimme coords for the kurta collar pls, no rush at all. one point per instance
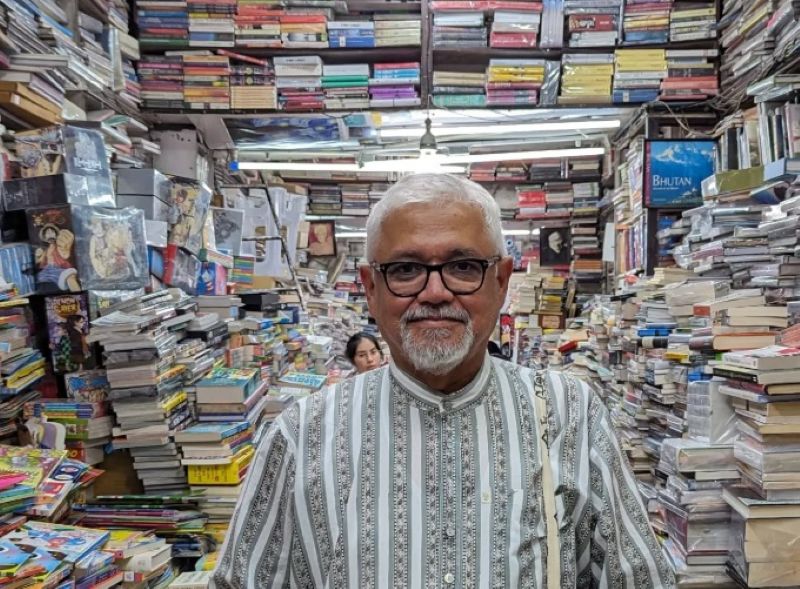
(445, 401)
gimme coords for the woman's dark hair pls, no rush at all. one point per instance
(355, 339)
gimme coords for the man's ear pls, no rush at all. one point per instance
(505, 267)
(367, 279)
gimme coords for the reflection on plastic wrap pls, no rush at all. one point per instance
(709, 413)
(548, 95)
(552, 24)
(679, 455)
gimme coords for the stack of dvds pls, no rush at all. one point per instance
(351, 33)
(394, 84)
(304, 31)
(514, 81)
(397, 29)
(299, 83)
(206, 82)
(646, 23)
(691, 75)
(693, 22)
(163, 24)
(257, 25)
(211, 23)
(459, 29)
(252, 83)
(638, 74)
(459, 89)
(516, 28)
(162, 81)
(586, 78)
(595, 26)
(346, 86)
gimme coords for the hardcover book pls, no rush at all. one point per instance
(674, 172)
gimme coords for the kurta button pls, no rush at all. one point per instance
(451, 532)
(449, 578)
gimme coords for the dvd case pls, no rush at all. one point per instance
(52, 239)
(67, 328)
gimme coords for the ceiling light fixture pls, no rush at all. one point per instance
(410, 132)
(427, 143)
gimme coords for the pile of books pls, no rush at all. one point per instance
(257, 25)
(516, 28)
(691, 75)
(638, 74)
(593, 27)
(346, 86)
(459, 29)
(459, 89)
(586, 78)
(206, 82)
(355, 199)
(304, 31)
(560, 197)
(397, 29)
(163, 24)
(693, 22)
(299, 83)
(162, 81)
(211, 23)
(351, 33)
(87, 425)
(512, 82)
(394, 84)
(646, 23)
(325, 199)
(252, 83)
(531, 202)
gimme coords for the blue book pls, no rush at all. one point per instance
(355, 42)
(210, 432)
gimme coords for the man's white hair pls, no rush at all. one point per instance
(440, 189)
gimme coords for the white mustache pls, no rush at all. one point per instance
(421, 313)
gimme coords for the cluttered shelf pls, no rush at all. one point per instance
(369, 54)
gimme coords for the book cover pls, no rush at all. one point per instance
(52, 239)
(67, 329)
(674, 172)
(72, 541)
(228, 229)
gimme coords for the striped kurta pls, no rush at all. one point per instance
(381, 482)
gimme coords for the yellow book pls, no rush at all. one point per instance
(678, 13)
(175, 400)
(595, 70)
(654, 53)
(496, 69)
(222, 474)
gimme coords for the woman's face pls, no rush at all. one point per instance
(367, 356)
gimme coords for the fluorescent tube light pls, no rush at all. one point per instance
(591, 125)
(523, 155)
(363, 234)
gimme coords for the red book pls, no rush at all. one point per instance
(592, 22)
(246, 58)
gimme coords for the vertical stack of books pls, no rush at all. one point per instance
(206, 82)
(482, 172)
(560, 197)
(394, 84)
(355, 199)
(459, 89)
(646, 23)
(163, 24)
(325, 199)
(638, 74)
(531, 202)
(459, 29)
(516, 28)
(211, 23)
(299, 82)
(87, 424)
(691, 75)
(512, 82)
(346, 86)
(351, 33)
(304, 31)
(587, 266)
(586, 78)
(252, 83)
(693, 22)
(596, 28)
(162, 81)
(546, 170)
(257, 25)
(583, 168)
(397, 29)
(511, 172)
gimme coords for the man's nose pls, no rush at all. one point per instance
(435, 291)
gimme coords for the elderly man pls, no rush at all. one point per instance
(429, 472)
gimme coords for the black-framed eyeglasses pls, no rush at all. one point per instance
(461, 277)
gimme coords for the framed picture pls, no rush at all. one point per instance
(322, 238)
(674, 170)
(554, 247)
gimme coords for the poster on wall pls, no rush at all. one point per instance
(674, 171)
(554, 247)
(322, 238)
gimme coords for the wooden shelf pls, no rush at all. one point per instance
(369, 54)
(367, 6)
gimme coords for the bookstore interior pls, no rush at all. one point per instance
(185, 188)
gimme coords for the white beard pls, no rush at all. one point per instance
(429, 351)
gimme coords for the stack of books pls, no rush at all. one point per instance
(459, 89)
(86, 423)
(560, 197)
(516, 28)
(206, 82)
(512, 82)
(211, 23)
(531, 202)
(596, 26)
(252, 83)
(144, 557)
(691, 75)
(299, 83)
(355, 199)
(351, 33)
(162, 81)
(346, 86)
(325, 199)
(304, 31)
(394, 84)
(586, 78)
(397, 29)
(257, 25)
(163, 24)
(459, 29)
(693, 22)
(546, 170)
(638, 74)
(646, 23)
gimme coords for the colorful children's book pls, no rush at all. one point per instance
(11, 559)
(72, 541)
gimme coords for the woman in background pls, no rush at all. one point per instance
(364, 352)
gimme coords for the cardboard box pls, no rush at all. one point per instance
(144, 182)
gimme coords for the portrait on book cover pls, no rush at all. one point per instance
(554, 247)
(322, 238)
(68, 326)
(53, 242)
(674, 171)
